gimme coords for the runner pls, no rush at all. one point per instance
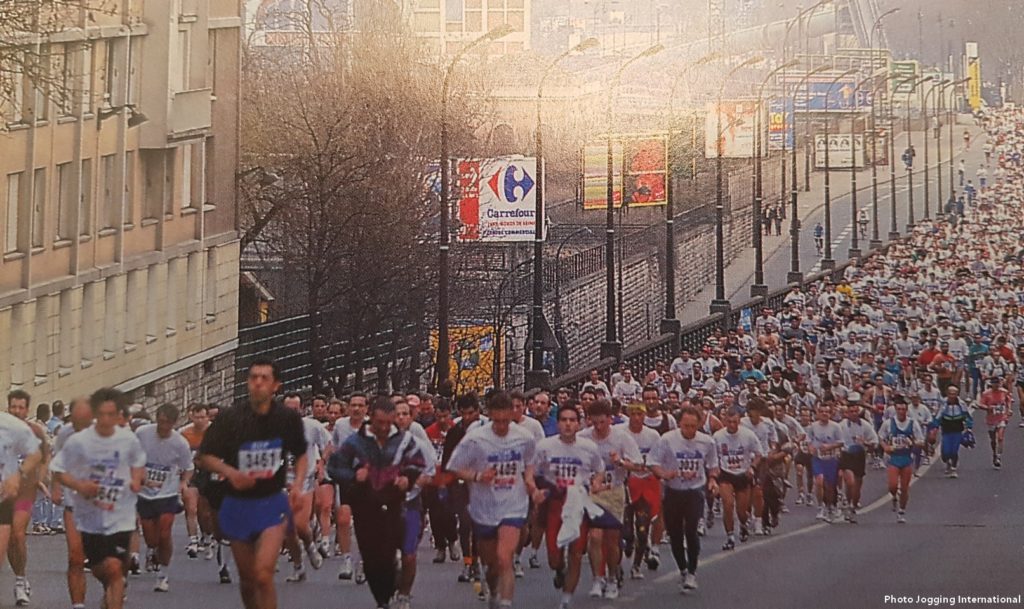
(323, 497)
(621, 455)
(435, 496)
(376, 467)
(899, 436)
(80, 414)
(199, 422)
(739, 452)
(17, 550)
(105, 465)
(571, 468)
(643, 513)
(954, 418)
(169, 469)
(998, 405)
(412, 509)
(859, 438)
(343, 512)
(247, 446)
(825, 438)
(534, 529)
(497, 462)
(208, 491)
(317, 442)
(688, 463)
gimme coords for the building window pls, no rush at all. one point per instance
(108, 207)
(186, 176)
(11, 91)
(173, 290)
(129, 187)
(109, 73)
(42, 337)
(111, 316)
(65, 331)
(64, 68)
(132, 304)
(87, 327)
(38, 207)
(12, 241)
(66, 192)
(154, 302)
(168, 157)
(192, 283)
(209, 195)
(210, 289)
(85, 211)
(87, 50)
(184, 58)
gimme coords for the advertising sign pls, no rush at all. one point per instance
(780, 124)
(844, 151)
(642, 159)
(471, 349)
(737, 125)
(497, 199)
(819, 94)
(974, 84)
(905, 73)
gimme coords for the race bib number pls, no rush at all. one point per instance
(156, 476)
(260, 460)
(608, 478)
(690, 467)
(108, 495)
(901, 442)
(734, 462)
(565, 474)
(999, 409)
(506, 473)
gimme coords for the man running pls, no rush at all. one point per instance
(81, 418)
(621, 455)
(376, 467)
(898, 437)
(497, 462)
(739, 452)
(997, 404)
(343, 513)
(953, 418)
(169, 468)
(688, 462)
(248, 446)
(644, 491)
(412, 507)
(17, 551)
(566, 464)
(195, 510)
(317, 441)
(105, 465)
(825, 438)
(859, 437)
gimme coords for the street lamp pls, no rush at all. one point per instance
(894, 232)
(759, 288)
(927, 189)
(876, 241)
(827, 263)
(442, 356)
(537, 376)
(720, 304)
(854, 251)
(612, 345)
(670, 324)
(910, 148)
(951, 119)
(939, 107)
(794, 275)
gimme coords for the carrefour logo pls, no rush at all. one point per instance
(511, 183)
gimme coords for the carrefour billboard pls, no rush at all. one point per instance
(497, 199)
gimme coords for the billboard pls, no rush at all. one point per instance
(974, 84)
(737, 137)
(642, 159)
(780, 124)
(841, 151)
(819, 94)
(905, 73)
(497, 199)
(471, 350)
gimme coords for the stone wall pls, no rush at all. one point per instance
(210, 382)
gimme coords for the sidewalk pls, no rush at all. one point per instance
(740, 272)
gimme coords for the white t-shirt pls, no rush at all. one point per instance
(736, 451)
(533, 426)
(854, 433)
(766, 433)
(565, 465)
(645, 441)
(317, 440)
(619, 442)
(342, 430)
(691, 458)
(16, 440)
(819, 435)
(166, 459)
(108, 461)
(505, 496)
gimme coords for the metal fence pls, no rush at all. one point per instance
(287, 341)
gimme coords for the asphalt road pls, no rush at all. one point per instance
(964, 537)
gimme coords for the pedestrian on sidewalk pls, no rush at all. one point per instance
(961, 169)
(779, 213)
(769, 218)
(936, 127)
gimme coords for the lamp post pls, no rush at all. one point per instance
(612, 345)
(670, 324)
(951, 119)
(927, 186)
(910, 149)
(537, 376)
(794, 275)
(854, 251)
(759, 288)
(939, 107)
(827, 263)
(442, 356)
(894, 232)
(720, 304)
(876, 241)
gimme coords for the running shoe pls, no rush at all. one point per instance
(701, 527)
(162, 585)
(744, 534)
(225, 575)
(518, 569)
(597, 590)
(360, 575)
(298, 575)
(315, 560)
(636, 572)
(440, 556)
(653, 558)
(901, 517)
(689, 581)
(345, 573)
(559, 580)
(21, 593)
(730, 544)
(534, 562)
(611, 592)
(467, 574)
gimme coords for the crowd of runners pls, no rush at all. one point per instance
(885, 368)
